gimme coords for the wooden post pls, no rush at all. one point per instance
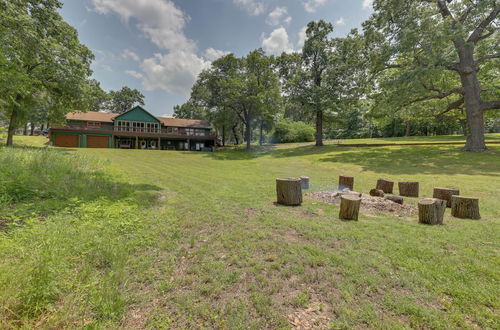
(304, 182)
(289, 191)
(376, 193)
(137, 142)
(465, 207)
(349, 207)
(395, 199)
(159, 144)
(385, 185)
(445, 194)
(431, 211)
(408, 189)
(346, 181)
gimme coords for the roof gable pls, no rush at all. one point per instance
(138, 114)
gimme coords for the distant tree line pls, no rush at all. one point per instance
(418, 68)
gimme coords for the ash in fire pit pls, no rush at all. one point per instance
(369, 204)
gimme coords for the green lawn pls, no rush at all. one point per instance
(156, 239)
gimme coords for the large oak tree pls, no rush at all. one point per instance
(431, 50)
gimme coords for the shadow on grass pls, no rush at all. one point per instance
(418, 160)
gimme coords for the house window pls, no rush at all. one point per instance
(93, 124)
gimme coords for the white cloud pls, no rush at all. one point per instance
(127, 53)
(176, 69)
(174, 72)
(312, 5)
(278, 15)
(367, 4)
(212, 54)
(134, 74)
(302, 37)
(277, 42)
(340, 21)
(253, 7)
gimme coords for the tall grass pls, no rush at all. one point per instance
(72, 259)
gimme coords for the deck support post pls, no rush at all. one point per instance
(137, 142)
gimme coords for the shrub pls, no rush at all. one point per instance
(287, 131)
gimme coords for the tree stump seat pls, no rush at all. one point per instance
(385, 185)
(431, 211)
(349, 207)
(465, 207)
(346, 181)
(408, 189)
(445, 194)
(376, 193)
(289, 191)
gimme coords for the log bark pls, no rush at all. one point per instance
(346, 181)
(445, 194)
(395, 199)
(304, 182)
(376, 193)
(289, 191)
(431, 211)
(408, 189)
(349, 207)
(385, 185)
(465, 207)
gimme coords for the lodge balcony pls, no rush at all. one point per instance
(165, 132)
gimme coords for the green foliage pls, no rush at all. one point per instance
(123, 100)
(287, 131)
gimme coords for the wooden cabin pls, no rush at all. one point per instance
(134, 129)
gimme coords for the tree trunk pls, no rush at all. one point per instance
(349, 207)
(12, 127)
(32, 129)
(248, 132)
(408, 189)
(235, 134)
(445, 194)
(261, 137)
(346, 181)
(385, 185)
(319, 128)
(223, 135)
(289, 191)
(472, 96)
(431, 211)
(25, 130)
(465, 207)
(408, 128)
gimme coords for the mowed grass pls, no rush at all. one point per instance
(204, 245)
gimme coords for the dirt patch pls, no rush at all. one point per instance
(369, 204)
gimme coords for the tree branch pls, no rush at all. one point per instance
(465, 14)
(440, 95)
(491, 105)
(487, 57)
(443, 8)
(452, 106)
(477, 34)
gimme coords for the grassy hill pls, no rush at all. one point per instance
(132, 238)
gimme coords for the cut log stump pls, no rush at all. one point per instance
(385, 185)
(445, 194)
(349, 207)
(289, 191)
(408, 189)
(465, 207)
(304, 182)
(395, 199)
(346, 181)
(431, 211)
(376, 193)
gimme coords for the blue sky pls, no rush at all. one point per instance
(160, 46)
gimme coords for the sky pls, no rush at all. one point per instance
(160, 46)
